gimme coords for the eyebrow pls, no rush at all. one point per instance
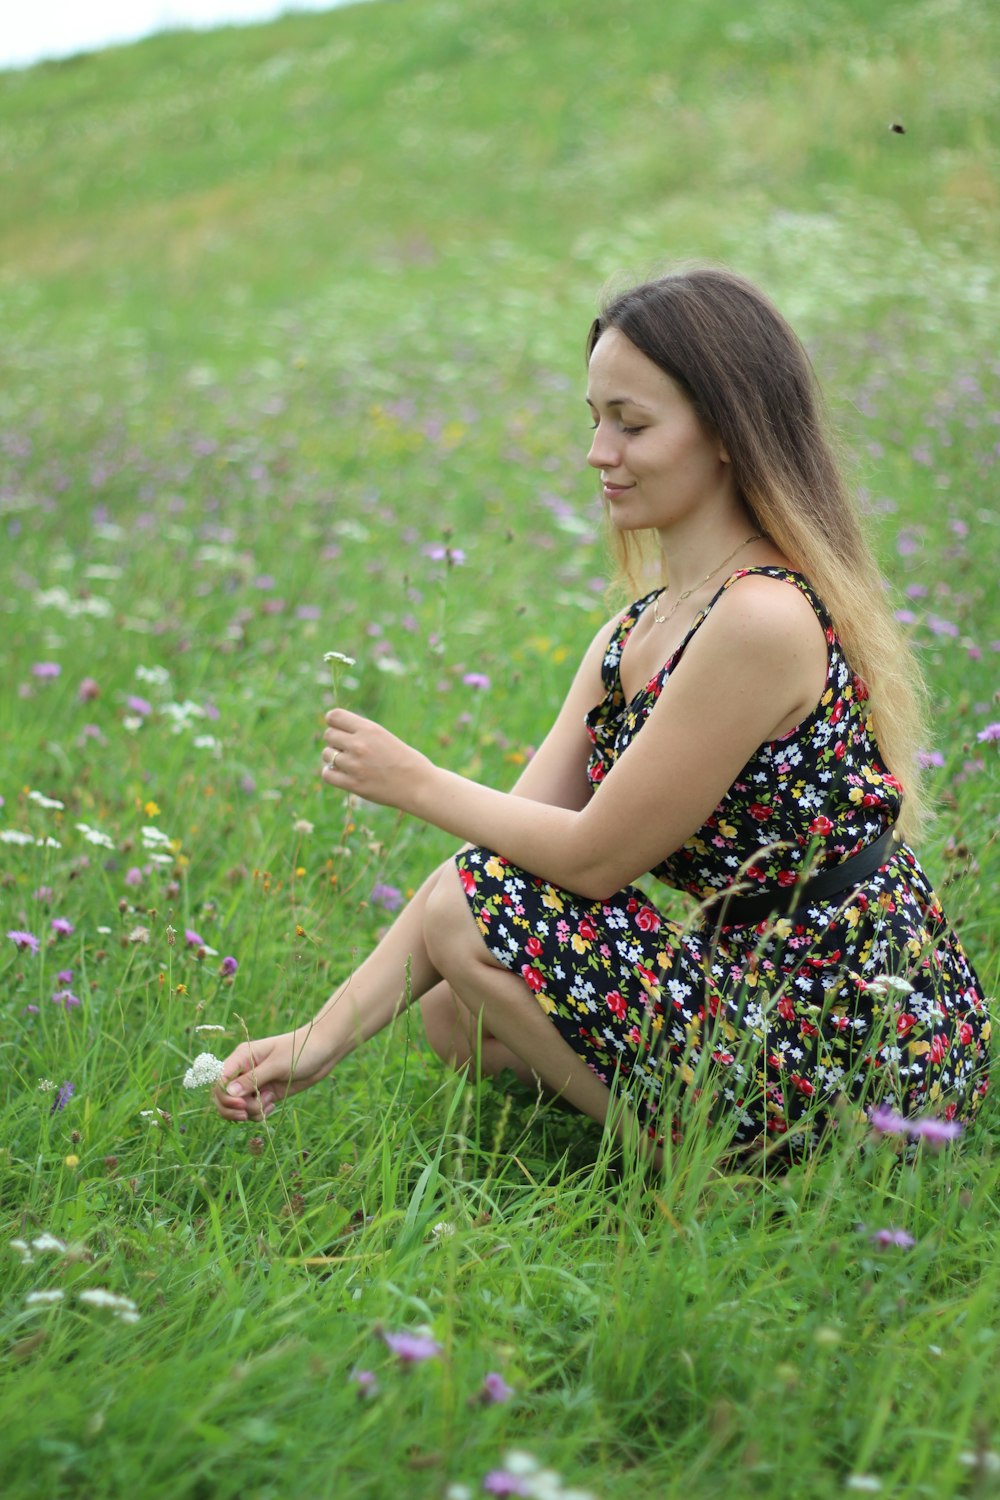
(620, 401)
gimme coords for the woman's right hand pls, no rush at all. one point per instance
(259, 1073)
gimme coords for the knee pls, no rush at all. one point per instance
(450, 934)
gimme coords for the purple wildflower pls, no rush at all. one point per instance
(411, 1348)
(928, 758)
(88, 690)
(66, 999)
(990, 733)
(24, 941)
(133, 876)
(494, 1390)
(137, 705)
(906, 617)
(503, 1482)
(46, 669)
(65, 976)
(61, 926)
(386, 896)
(477, 680)
(898, 1237)
(192, 939)
(44, 895)
(63, 1097)
(365, 1381)
(228, 966)
(936, 1130)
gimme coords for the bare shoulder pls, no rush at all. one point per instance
(769, 616)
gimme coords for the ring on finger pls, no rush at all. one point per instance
(332, 762)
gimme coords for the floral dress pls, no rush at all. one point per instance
(865, 996)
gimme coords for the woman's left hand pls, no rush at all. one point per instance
(362, 757)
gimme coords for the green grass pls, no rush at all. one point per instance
(281, 308)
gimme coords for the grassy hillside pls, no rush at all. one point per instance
(291, 328)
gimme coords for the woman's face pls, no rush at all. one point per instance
(657, 463)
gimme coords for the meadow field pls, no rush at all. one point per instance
(291, 361)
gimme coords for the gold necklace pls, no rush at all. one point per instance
(758, 536)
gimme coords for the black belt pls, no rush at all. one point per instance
(832, 881)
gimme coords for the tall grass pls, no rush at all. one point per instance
(291, 323)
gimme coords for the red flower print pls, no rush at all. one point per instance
(870, 800)
(821, 825)
(965, 1034)
(860, 688)
(616, 1004)
(839, 750)
(775, 1061)
(633, 906)
(724, 1057)
(806, 1029)
(786, 1008)
(586, 929)
(803, 1085)
(759, 811)
(787, 878)
(754, 872)
(533, 947)
(468, 882)
(532, 978)
(939, 1049)
(648, 920)
(838, 711)
(905, 1024)
(647, 975)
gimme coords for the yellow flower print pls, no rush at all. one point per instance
(494, 869)
(578, 943)
(782, 928)
(728, 830)
(856, 794)
(546, 1002)
(852, 916)
(552, 900)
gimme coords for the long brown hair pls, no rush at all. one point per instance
(751, 384)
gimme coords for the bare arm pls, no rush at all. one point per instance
(758, 658)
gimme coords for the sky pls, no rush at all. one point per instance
(39, 29)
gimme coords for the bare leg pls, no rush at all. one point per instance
(507, 1008)
(459, 1040)
(399, 970)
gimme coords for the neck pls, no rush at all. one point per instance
(689, 551)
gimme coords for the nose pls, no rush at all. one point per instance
(604, 452)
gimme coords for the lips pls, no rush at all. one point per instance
(612, 491)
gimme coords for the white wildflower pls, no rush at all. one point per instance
(45, 1085)
(15, 836)
(206, 1068)
(94, 836)
(161, 859)
(207, 742)
(41, 1299)
(104, 931)
(207, 1027)
(158, 676)
(21, 1246)
(48, 843)
(883, 984)
(48, 1241)
(338, 656)
(152, 837)
(44, 801)
(443, 1230)
(139, 935)
(122, 1307)
(302, 825)
(868, 1483)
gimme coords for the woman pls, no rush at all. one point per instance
(774, 780)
